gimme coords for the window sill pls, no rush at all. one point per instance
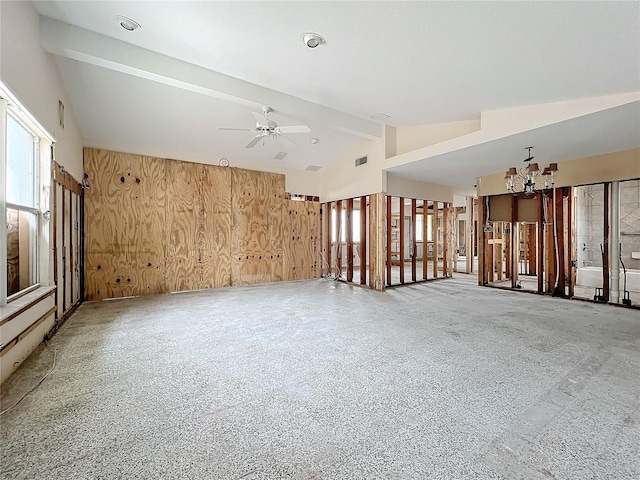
(24, 303)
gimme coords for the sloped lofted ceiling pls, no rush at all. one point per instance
(419, 62)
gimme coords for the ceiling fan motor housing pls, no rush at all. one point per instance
(270, 125)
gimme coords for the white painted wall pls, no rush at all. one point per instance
(413, 137)
(583, 171)
(504, 123)
(404, 187)
(33, 76)
(342, 179)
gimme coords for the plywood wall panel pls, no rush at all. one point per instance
(158, 225)
(301, 240)
(181, 221)
(215, 259)
(256, 233)
(147, 181)
(199, 223)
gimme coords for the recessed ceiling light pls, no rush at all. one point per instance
(379, 116)
(314, 141)
(127, 23)
(312, 40)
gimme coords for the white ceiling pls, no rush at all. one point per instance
(420, 62)
(612, 130)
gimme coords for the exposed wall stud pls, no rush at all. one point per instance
(414, 244)
(349, 238)
(363, 240)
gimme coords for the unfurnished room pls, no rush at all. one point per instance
(320, 240)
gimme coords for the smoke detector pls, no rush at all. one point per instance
(312, 40)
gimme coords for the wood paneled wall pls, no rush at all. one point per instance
(155, 225)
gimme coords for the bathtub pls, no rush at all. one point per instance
(592, 277)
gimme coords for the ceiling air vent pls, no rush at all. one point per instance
(361, 161)
(280, 155)
(313, 168)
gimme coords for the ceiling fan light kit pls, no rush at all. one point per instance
(529, 179)
(268, 128)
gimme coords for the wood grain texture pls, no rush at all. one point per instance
(378, 240)
(301, 240)
(257, 200)
(125, 224)
(158, 225)
(198, 226)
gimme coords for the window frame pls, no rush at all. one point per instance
(10, 106)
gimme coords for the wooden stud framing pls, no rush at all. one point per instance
(326, 218)
(71, 256)
(378, 238)
(339, 228)
(550, 266)
(402, 234)
(513, 242)
(445, 240)
(605, 245)
(469, 247)
(540, 244)
(414, 242)
(481, 243)
(64, 255)
(434, 233)
(425, 243)
(497, 250)
(531, 249)
(349, 237)
(65, 179)
(571, 243)
(559, 234)
(388, 223)
(363, 240)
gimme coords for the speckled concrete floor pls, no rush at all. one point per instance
(320, 379)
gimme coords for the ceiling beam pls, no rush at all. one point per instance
(82, 45)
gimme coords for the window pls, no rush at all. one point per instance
(21, 234)
(22, 207)
(419, 227)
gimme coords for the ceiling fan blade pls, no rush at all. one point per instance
(254, 141)
(294, 129)
(286, 142)
(237, 129)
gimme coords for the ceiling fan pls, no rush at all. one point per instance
(268, 128)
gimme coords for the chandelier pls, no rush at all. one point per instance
(529, 179)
